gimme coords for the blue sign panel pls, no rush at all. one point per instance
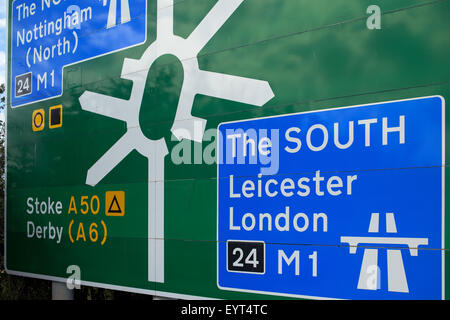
(341, 203)
(48, 35)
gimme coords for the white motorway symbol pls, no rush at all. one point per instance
(112, 13)
(397, 281)
(185, 126)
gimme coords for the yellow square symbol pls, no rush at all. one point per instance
(55, 117)
(38, 120)
(115, 203)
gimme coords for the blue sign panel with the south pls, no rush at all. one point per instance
(341, 203)
(48, 35)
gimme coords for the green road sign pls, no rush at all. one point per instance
(113, 109)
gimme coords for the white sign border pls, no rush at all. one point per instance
(324, 110)
(9, 63)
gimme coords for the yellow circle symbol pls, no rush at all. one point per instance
(38, 120)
